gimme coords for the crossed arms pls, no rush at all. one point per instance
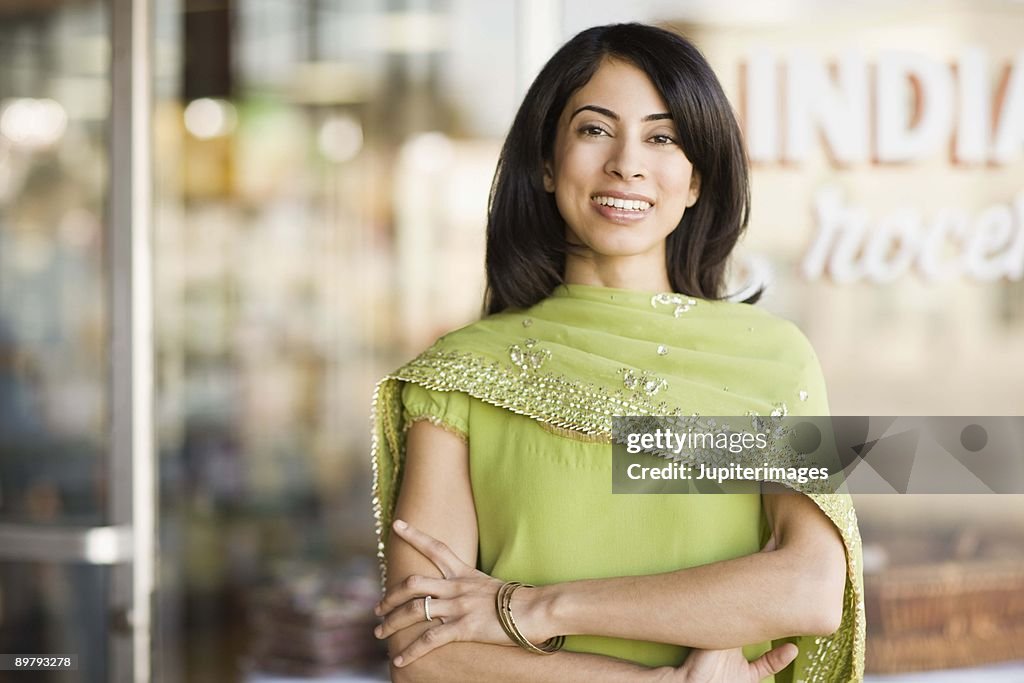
(796, 587)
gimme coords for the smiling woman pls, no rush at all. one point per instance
(619, 194)
(620, 178)
(689, 122)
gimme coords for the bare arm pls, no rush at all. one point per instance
(436, 497)
(797, 589)
(741, 601)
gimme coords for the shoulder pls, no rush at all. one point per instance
(779, 344)
(483, 336)
(438, 385)
(448, 410)
(777, 336)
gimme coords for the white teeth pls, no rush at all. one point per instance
(625, 204)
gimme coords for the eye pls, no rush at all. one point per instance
(592, 131)
(663, 139)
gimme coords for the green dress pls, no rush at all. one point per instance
(532, 392)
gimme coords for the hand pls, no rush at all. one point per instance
(461, 605)
(730, 666)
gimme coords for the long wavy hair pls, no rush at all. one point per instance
(525, 232)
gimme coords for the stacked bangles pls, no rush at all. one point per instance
(503, 605)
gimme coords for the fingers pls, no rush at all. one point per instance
(774, 661)
(413, 587)
(412, 612)
(434, 550)
(431, 639)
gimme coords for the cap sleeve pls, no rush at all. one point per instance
(446, 409)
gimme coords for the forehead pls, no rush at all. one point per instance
(622, 87)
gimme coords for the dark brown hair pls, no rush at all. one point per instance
(525, 232)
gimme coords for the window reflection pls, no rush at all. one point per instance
(53, 98)
(321, 214)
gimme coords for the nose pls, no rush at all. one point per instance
(626, 161)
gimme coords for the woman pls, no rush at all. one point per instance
(620, 192)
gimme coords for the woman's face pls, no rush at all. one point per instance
(621, 181)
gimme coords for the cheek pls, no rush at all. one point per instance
(676, 184)
(571, 186)
(578, 164)
(566, 204)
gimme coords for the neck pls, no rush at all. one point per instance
(637, 273)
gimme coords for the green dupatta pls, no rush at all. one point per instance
(586, 354)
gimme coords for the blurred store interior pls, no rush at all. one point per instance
(320, 172)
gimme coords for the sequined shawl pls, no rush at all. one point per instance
(586, 354)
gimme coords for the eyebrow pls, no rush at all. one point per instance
(615, 117)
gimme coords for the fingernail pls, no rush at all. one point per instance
(376, 609)
(399, 524)
(377, 631)
(399, 660)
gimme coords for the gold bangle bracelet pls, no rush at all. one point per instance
(505, 612)
(503, 606)
(499, 600)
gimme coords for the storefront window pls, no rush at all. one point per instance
(54, 100)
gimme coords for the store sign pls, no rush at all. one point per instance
(902, 109)
(945, 244)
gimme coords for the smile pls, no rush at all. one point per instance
(638, 205)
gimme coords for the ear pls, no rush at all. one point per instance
(549, 177)
(694, 189)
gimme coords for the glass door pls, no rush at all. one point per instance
(76, 457)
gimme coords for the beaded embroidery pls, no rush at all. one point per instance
(644, 380)
(528, 358)
(681, 303)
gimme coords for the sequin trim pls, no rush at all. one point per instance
(574, 435)
(548, 397)
(839, 658)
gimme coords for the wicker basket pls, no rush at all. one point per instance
(947, 615)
